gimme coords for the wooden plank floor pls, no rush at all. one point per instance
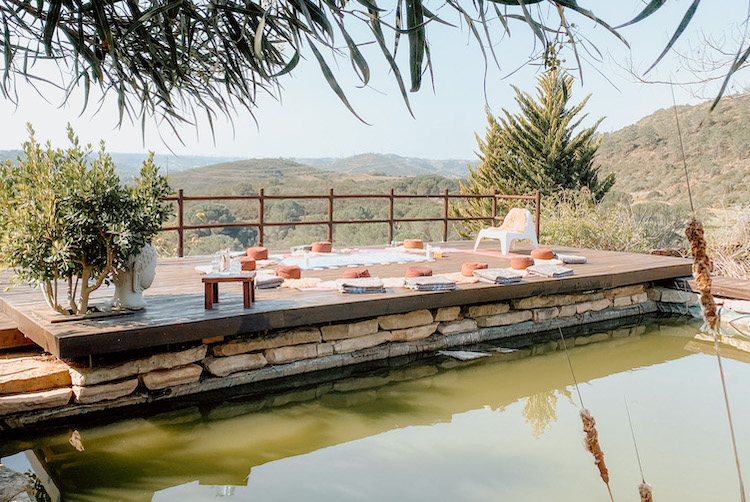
(175, 312)
(728, 287)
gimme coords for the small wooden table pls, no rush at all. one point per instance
(211, 285)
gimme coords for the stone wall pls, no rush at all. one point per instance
(43, 388)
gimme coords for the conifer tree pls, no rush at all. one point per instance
(540, 148)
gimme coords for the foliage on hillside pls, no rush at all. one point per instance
(647, 161)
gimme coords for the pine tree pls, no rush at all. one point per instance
(540, 148)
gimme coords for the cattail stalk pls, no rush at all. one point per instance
(702, 275)
(591, 440)
(645, 490)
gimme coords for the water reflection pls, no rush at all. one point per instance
(383, 435)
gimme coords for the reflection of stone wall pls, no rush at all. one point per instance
(39, 388)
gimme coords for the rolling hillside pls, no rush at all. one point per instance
(391, 165)
(647, 160)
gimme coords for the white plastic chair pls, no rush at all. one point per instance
(517, 224)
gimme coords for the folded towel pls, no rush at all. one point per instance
(571, 258)
(430, 283)
(360, 285)
(267, 281)
(498, 275)
(550, 270)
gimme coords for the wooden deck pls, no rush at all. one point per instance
(176, 314)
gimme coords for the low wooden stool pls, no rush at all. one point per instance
(211, 286)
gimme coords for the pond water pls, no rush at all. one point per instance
(504, 427)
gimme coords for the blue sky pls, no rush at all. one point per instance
(310, 121)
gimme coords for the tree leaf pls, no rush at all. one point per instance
(683, 24)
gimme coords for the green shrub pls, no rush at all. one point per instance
(574, 219)
(64, 216)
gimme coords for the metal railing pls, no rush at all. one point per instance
(261, 224)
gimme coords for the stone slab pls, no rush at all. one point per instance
(461, 326)
(299, 336)
(223, 366)
(676, 296)
(161, 379)
(624, 291)
(639, 298)
(104, 392)
(411, 334)
(445, 314)
(622, 301)
(513, 317)
(408, 320)
(35, 400)
(487, 309)
(544, 301)
(32, 374)
(545, 314)
(567, 311)
(84, 376)
(291, 353)
(593, 306)
(14, 486)
(349, 330)
(363, 342)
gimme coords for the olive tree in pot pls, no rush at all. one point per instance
(66, 218)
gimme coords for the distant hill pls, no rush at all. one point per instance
(390, 165)
(128, 164)
(647, 161)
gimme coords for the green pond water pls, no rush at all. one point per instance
(503, 428)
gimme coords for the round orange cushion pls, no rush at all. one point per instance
(418, 272)
(469, 267)
(258, 253)
(521, 262)
(542, 254)
(413, 243)
(248, 263)
(288, 271)
(321, 247)
(353, 273)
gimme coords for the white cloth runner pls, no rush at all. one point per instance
(360, 285)
(550, 270)
(430, 283)
(498, 275)
(571, 258)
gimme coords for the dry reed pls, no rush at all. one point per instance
(645, 490)
(592, 443)
(702, 274)
(702, 271)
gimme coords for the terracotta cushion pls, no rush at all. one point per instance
(258, 253)
(354, 273)
(248, 263)
(413, 244)
(321, 247)
(418, 272)
(288, 271)
(521, 262)
(542, 254)
(468, 268)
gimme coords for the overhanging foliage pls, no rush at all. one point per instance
(172, 59)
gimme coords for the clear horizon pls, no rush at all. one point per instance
(310, 122)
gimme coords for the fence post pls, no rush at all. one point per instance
(445, 215)
(330, 215)
(390, 215)
(494, 207)
(261, 216)
(537, 216)
(180, 223)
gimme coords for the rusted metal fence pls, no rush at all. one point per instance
(180, 198)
